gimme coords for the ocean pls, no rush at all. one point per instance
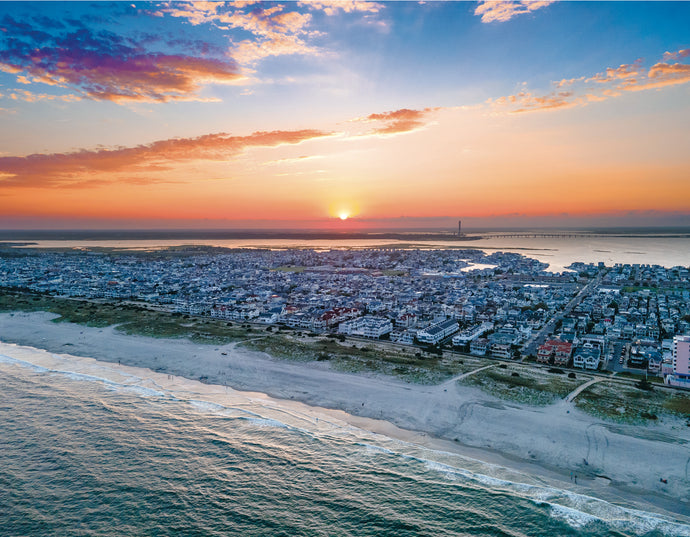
(94, 448)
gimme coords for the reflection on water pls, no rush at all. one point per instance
(558, 252)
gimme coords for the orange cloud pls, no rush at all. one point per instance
(659, 76)
(623, 72)
(85, 167)
(399, 121)
(504, 10)
(30, 97)
(609, 84)
(526, 101)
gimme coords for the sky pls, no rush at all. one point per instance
(344, 114)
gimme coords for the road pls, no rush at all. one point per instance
(530, 347)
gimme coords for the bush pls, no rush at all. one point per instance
(503, 366)
(572, 375)
(515, 374)
(644, 384)
(556, 370)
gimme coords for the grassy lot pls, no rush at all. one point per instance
(627, 403)
(530, 386)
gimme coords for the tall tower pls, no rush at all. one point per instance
(459, 227)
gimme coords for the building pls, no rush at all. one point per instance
(472, 333)
(681, 356)
(681, 363)
(556, 350)
(479, 346)
(501, 350)
(367, 326)
(587, 356)
(436, 332)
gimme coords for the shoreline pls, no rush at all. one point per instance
(544, 443)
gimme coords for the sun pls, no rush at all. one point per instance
(343, 215)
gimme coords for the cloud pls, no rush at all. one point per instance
(660, 75)
(105, 66)
(623, 72)
(610, 83)
(332, 7)
(90, 167)
(275, 31)
(526, 101)
(504, 10)
(31, 97)
(678, 55)
(398, 121)
(249, 51)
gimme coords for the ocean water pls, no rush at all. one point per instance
(92, 448)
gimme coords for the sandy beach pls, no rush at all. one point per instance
(616, 462)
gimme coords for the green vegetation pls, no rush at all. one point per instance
(628, 403)
(523, 384)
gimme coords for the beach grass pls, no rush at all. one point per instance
(363, 357)
(129, 318)
(630, 404)
(523, 384)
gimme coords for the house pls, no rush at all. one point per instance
(587, 356)
(479, 346)
(555, 350)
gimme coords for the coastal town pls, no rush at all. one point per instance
(626, 319)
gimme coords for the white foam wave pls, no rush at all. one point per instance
(207, 406)
(16, 361)
(267, 422)
(376, 449)
(576, 510)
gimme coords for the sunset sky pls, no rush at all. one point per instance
(267, 114)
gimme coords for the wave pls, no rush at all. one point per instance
(577, 510)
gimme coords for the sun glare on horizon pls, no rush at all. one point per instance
(344, 215)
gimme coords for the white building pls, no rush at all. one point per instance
(436, 332)
(367, 326)
(472, 333)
